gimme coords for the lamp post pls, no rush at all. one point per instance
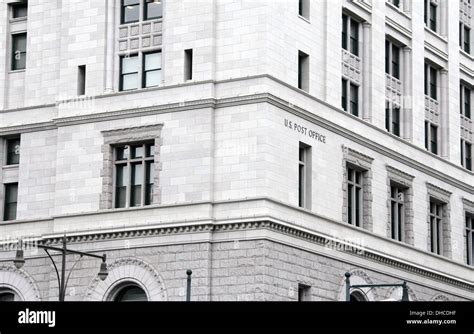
(188, 285)
(62, 280)
(403, 285)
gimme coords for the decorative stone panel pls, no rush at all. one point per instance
(364, 163)
(432, 110)
(405, 180)
(122, 136)
(393, 90)
(465, 12)
(466, 129)
(351, 67)
(133, 37)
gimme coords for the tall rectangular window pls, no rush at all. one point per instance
(464, 37)
(354, 99)
(470, 238)
(303, 8)
(304, 293)
(466, 154)
(397, 212)
(153, 9)
(392, 59)
(188, 64)
(431, 81)
(344, 94)
(396, 3)
(354, 196)
(134, 175)
(130, 11)
(151, 69)
(13, 151)
(19, 51)
(129, 69)
(436, 226)
(303, 71)
(81, 80)
(465, 101)
(304, 176)
(11, 198)
(392, 118)
(431, 13)
(431, 137)
(350, 34)
(19, 10)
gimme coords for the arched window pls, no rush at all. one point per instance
(7, 295)
(129, 293)
(358, 296)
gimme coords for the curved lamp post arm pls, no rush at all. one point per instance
(56, 269)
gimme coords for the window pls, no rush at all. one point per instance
(358, 296)
(81, 80)
(392, 59)
(19, 10)
(129, 72)
(466, 154)
(470, 238)
(352, 99)
(304, 176)
(304, 293)
(11, 195)
(350, 34)
(13, 151)
(465, 101)
(436, 226)
(18, 51)
(153, 9)
(431, 12)
(303, 8)
(7, 295)
(396, 3)
(397, 212)
(134, 175)
(151, 69)
(129, 293)
(464, 37)
(354, 188)
(303, 71)
(130, 11)
(431, 137)
(188, 64)
(392, 118)
(431, 81)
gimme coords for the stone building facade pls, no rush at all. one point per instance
(242, 140)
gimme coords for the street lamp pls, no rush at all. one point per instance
(62, 281)
(403, 285)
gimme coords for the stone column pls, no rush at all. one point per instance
(366, 63)
(443, 18)
(444, 114)
(407, 96)
(109, 46)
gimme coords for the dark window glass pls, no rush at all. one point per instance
(344, 31)
(354, 38)
(7, 297)
(467, 39)
(131, 294)
(13, 151)
(129, 72)
(433, 10)
(427, 136)
(395, 61)
(152, 69)
(426, 79)
(354, 99)
(153, 9)
(436, 227)
(433, 83)
(354, 198)
(344, 94)
(121, 186)
(136, 185)
(467, 102)
(19, 51)
(149, 182)
(11, 195)
(434, 139)
(387, 116)
(396, 121)
(19, 10)
(130, 11)
(468, 153)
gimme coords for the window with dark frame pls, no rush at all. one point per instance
(11, 198)
(470, 238)
(464, 37)
(153, 9)
(303, 8)
(396, 3)
(354, 196)
(303, 71)
(134, 174)
(13, 151)
(392, 59)
(397, 211)
(81, 80)
(465, 101)
(431, 81)
(466, 154)
(151, 69)
(436, 226)
(188, 64)
(130, 11)
(129, 69)
(19, 10)
(344, 94)
(350, 34)
(392, 118)
(430, 14)
(18, 55)
(354, 99)
(304, 175)
(431, 137)
(304, 293)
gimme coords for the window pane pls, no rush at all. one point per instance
(349, 203)
(150, 179)
(137, 152)
(11, 195)
(137, 180)
(20, 10)
(130, 64)
(19, 51)
(153, 78)
(121, 186)
(130, 81)
(131, 13)
(152, 61)
(358, 204)
(153, 9)
(13, 151)
(150, 150)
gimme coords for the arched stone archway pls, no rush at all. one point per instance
(358, 277)
(19, 282)
(396, 293)
(440, 298)
(128, 270)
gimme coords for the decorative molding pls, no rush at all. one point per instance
(399, 176)
(358, 158)
(468, 205)
(20, 282)
(438, 192)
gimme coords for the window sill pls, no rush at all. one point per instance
(11, 166)
(17, 71)
(19, 19)
(125, 24)
(304, 19)
(465, 54)
(435, 34)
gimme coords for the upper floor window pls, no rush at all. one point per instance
(350, 34)
(130, 10)
(431, 14)
(431, 81)
(392, 59)
(464, 37)
(304, 176)
(465, 101)
(470, 238)
(397, 212)
(396, 3)
(303, 8)
(392, 118)
(134, 175)
(131, 70)
(19, 10)
(18, 55)
(13, 151)
(354, 196)
(436, 226)
(466, 154)
(431, 137)
(10, 204)
(350, 97)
